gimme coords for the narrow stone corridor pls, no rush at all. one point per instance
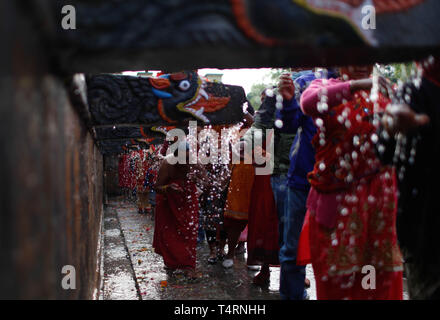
(133, 271)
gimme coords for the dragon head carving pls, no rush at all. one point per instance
(166, 100)
(187, 93)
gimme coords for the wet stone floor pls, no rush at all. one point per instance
(133, 271)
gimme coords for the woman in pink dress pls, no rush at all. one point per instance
(353, 200)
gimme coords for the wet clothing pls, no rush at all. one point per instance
(364, 235)
(353, 199)
(123, 171)
(279, 189)
(292, 276)
(262, 240)
(293, 222)
(296, 187)
(302, 154)
(418, 219)
(176, 224)
(389, 286)
(239, 192)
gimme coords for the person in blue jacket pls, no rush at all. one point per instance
(302, 160)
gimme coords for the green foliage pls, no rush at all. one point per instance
(275, 74)
(397, 71)
(254, 96)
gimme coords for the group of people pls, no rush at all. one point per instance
(352, 185)
(137, 174)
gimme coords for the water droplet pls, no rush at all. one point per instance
(356, 141)
(352, 240)
(374, 138)
(322, 107)
(319, 122)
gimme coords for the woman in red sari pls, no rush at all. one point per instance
(353, 200)
(262, 241)
(177, 216)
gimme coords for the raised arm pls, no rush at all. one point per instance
(291, 113)
(335, 90)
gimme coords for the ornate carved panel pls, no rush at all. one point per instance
(186, 34)
(126, 107)
(168, 100)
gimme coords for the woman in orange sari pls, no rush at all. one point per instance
(353, 200)
(238, 199)
(237, 207)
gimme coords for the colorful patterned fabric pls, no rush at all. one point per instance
(353, 201)
(344, 142)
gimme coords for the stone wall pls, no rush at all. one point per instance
(111, 179)
(51, 174)
(53, 184)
